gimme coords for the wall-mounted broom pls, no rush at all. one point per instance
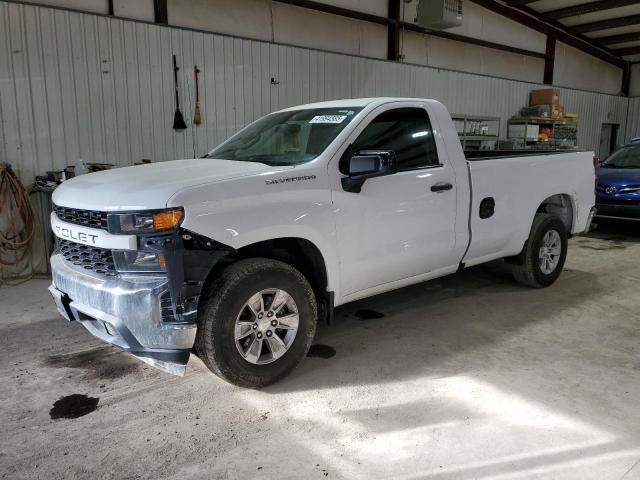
(178, 119)
(197, 119)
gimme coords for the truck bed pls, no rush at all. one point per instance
(517, 182)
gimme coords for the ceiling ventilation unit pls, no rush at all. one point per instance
(439, 14)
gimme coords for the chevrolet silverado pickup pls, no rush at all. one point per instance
(238, 254)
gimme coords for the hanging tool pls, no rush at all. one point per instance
(178, 119)
(197, 120)
(17, 219)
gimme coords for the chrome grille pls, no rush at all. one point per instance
(86, 218)
(96, 259)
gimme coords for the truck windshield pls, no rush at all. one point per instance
(286, 138)
(626, 157)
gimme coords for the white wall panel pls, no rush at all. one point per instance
(633, 123)
(308, 28)
(273, 21)
(373, 40)
(75, 85)
(136, 9)
(442, 53)
(576, 69)
(250, 18)
(94, 6)
(374, 7)
(634, 85)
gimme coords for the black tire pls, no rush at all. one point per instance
(221, 305)
(530, 272)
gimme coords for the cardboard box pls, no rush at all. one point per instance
(545, 96)
(557, 111)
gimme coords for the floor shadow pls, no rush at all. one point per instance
(609, 235)
(615, 230)
(426, 324)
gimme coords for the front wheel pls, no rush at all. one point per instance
(256, 323)
(544, 254)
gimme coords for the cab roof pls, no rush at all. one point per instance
(352, 102)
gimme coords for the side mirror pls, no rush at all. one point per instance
(366, 164)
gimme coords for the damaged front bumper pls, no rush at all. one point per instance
(124, 310)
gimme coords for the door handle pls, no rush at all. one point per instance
(441, 187)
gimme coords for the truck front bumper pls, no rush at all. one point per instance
(125, 311)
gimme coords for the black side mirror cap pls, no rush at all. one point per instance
(366, 164)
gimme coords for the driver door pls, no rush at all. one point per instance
(400, 225)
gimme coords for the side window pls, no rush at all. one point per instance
(406, 131)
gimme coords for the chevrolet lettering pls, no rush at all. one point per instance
(70, 234)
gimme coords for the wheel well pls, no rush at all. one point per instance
(297, 252)
(559, 205)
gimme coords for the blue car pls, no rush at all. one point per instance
(618, 184)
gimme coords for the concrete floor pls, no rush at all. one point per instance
(470, 376)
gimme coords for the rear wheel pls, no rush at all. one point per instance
(257, 322)
(544, 254)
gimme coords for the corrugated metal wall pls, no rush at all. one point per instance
(75, 85)
(633, 119)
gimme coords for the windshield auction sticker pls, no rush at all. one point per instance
(328, 119)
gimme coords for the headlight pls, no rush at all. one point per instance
(128, 261)
(145, 222)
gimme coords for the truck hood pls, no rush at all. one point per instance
(148, 186)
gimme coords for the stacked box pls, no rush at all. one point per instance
(549, 98)
(545, 96)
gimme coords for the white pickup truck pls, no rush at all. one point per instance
(241, 252)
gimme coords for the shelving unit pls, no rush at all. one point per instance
(565, 132)
(477, 132)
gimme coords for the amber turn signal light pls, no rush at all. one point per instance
(167, 219)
